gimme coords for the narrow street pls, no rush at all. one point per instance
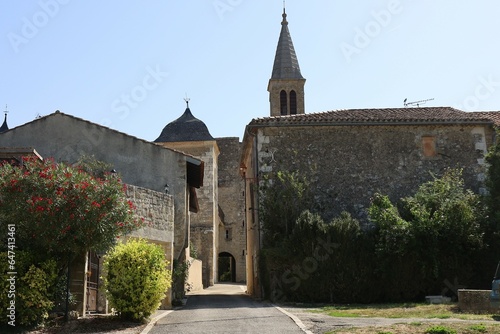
(224, 308)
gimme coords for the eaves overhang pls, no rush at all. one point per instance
(195, 172)
(367, 123)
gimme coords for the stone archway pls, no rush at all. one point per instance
(226, 267)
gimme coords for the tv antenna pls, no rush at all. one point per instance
(415, 103)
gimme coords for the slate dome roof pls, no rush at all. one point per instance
(185, 128)
(4, 126)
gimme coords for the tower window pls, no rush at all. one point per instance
(283, 103)
(293, 103)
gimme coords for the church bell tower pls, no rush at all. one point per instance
(286, 86)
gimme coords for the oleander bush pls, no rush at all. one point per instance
(62, 210)
(137, 278)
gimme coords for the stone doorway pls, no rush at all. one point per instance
(226, 267)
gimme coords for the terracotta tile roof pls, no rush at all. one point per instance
(492, 115)
(426, 115)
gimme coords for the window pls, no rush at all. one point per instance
(429, 146)
(293, 103)
(283, 103)
(228, 234)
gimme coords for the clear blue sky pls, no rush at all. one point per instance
(85, 57)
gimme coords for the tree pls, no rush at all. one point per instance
(491, 255)
(493, 182)
(435, 236)
(282, 199)
(60, 211)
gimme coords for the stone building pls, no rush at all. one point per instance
(217, 232)
(189, 134)
(232, 236)
(144, 166)
(349, 155)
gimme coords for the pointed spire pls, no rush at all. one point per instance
(286, 65)
(4, 126)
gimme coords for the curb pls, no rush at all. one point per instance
(153, 321)
(297, 321)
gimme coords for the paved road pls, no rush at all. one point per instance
(225, 309)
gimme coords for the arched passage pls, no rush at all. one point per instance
(227, 267)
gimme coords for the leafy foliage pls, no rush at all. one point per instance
(282, 199)
(492, 200)
(440, 330)
(478, 328)
(412, 249)
(435, 236)
(59, 209)
(493, 181)
(33, 288)
(137, 278)
(179, 280)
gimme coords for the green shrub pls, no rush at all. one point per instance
(179, 280)
(225, 277)
(440, 330)
(137, 278)
(478, 328)
(34, 293)
(32, 289)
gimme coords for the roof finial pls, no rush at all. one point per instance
(187, 99)
(284, 13)
(4, 126)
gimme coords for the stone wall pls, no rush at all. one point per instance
(232, 235)
(157, 210)
(347, 165)
(476, 301)
(276, 86)
(194, 279)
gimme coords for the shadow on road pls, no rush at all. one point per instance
(222, 295)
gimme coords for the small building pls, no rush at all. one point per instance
(218, 234)
(190, 135)
(144, 166)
